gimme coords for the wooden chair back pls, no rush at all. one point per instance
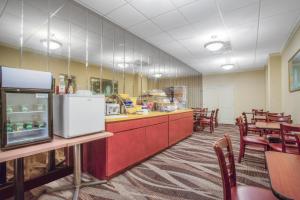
(275, 114)
(253, 110)
(224, 152)
(261, 113)
(212, 116)
(245, 121)
(242, 127)
(216, 115)
(278, 118)
(198, 112)
(288, 131)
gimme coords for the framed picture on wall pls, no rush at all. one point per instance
(95, 85)
(108, 88)
(294, 72)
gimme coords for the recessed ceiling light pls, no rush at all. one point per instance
(157, 75)
(227, 66)
(122, 65)
(214, 46)
(53, 44)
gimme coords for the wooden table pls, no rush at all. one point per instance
(268, 125)
(57, 143)
(284, 174)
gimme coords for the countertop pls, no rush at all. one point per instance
(126, 117)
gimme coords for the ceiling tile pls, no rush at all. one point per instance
(243, 37)
(211, 28)
(170, 20)
(102, 6)
(196, 47)
(279, 24)
(275, 7)
(241, 16)
(160, 39)
(126, 16)
(230, 5)
(153, 8)
(179, 3)
(145, 29)
(199, 10)
(183, 32)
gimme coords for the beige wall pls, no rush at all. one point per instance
(134, 85)
(273, 83)
(10, 57)
(249, 89)
(290, 101)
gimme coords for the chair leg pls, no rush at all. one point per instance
(241, 154)
(244, 149)
(202, 127)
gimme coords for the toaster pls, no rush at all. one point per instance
(112, 109)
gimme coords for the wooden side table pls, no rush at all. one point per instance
(58, 142)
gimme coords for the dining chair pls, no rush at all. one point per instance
(216, 122)
(197, 114)
(275, 114)
(250, 127)
(260, 116)
(196, 117)
(247, 141)
(231, 191)
(279, 118)
(208, 121)
(255, 109)
(290, 143)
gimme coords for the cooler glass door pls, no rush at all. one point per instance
(26, 118)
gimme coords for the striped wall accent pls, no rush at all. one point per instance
(193, 84)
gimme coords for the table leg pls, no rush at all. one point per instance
(19, 178)
(51, 160)
(77, 169)
(77, 183)
(2, 173)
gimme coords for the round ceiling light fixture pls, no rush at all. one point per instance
(227, 66)
(214, 45)
(157, 75)
(53, 44)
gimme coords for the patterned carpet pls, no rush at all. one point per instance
(187, 170)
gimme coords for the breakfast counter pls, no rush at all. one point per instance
(136, 138)
(118, 118)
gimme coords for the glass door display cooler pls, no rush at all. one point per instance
(26, 107)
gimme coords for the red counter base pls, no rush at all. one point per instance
(133, 142)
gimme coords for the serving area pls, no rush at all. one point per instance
(136, 138)
(149, 99)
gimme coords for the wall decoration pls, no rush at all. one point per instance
(95, 85)
(294, 72)
(108, 88)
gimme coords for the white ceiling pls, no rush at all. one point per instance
(182, 27)
(79, 31)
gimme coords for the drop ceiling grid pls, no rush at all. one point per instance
(180, 26)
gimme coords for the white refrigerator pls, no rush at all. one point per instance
(75, 115)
